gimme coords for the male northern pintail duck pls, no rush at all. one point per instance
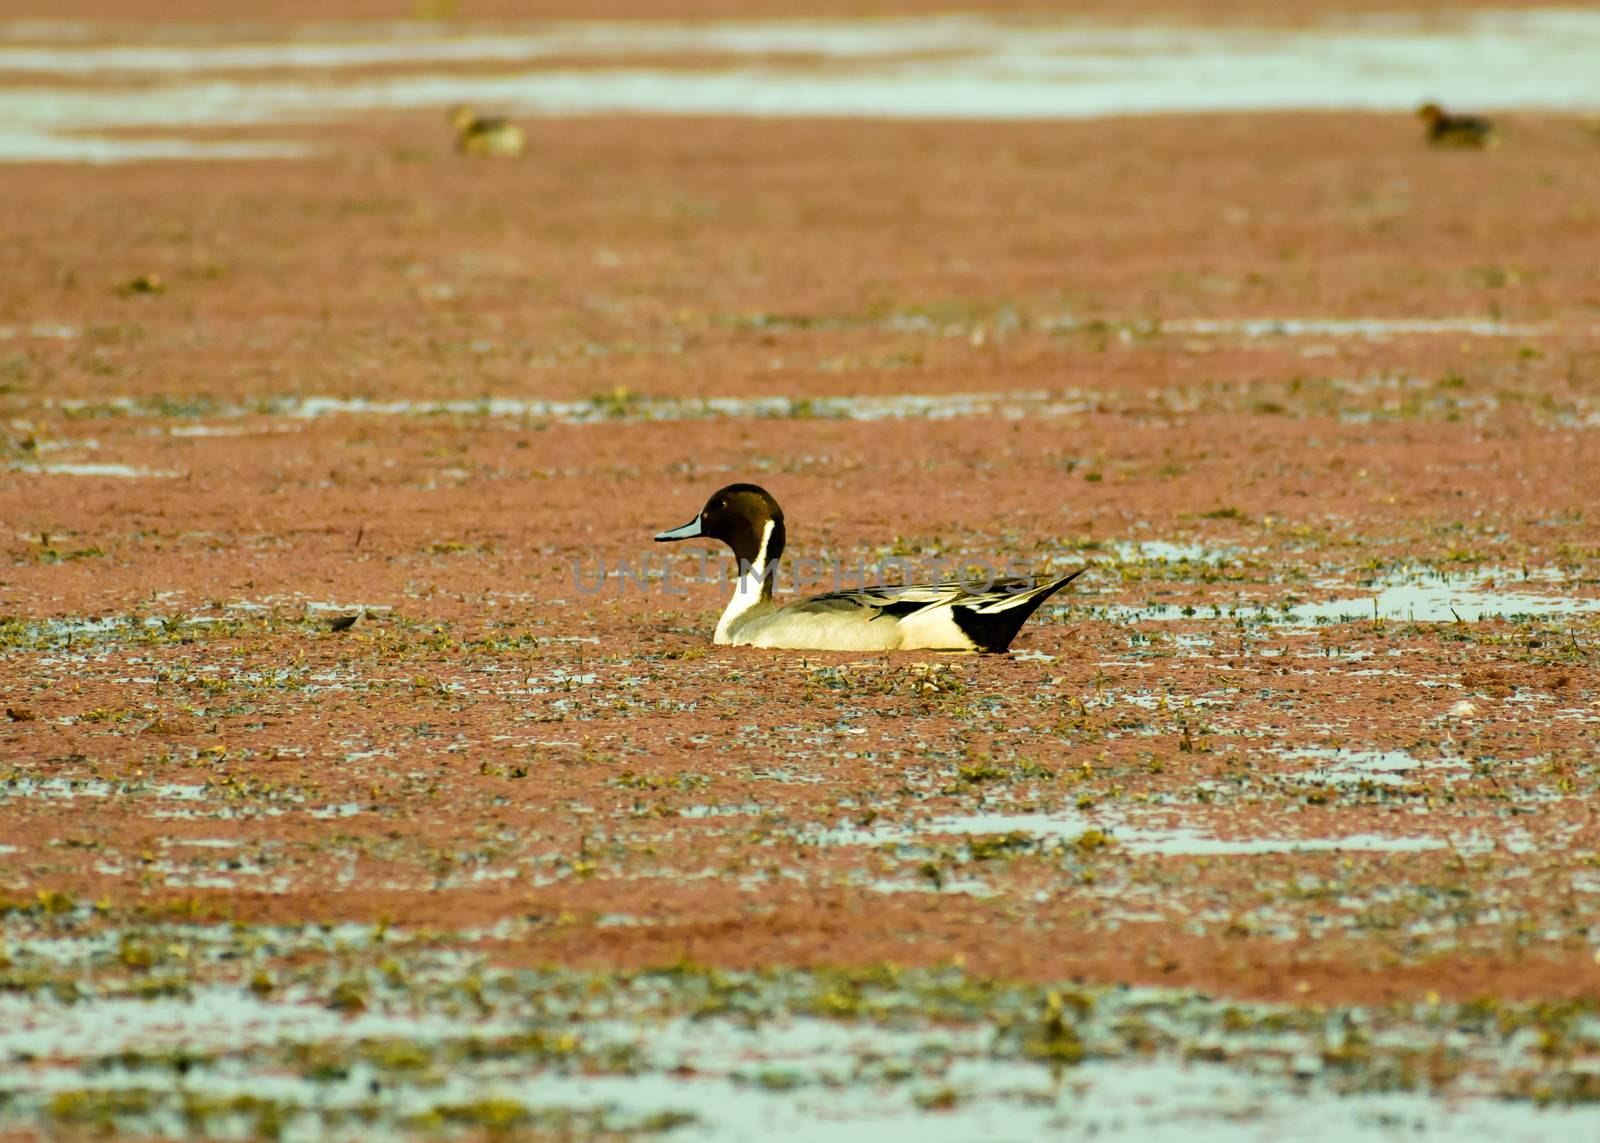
(1464, 132)
(485, 135)
(933, 617)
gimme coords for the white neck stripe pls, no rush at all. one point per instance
(751, 588)
(758, 566)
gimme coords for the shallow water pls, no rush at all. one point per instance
(68, 788)
(1133, 836)
(1349, 767)
(774, 1078)
(73, 468)
(782, 1079)
(1169, 551)
(1371, 329)
(894, 407)
(219, 1018)
(191, 417)
(1414, 594)
(44, 332)
(1420, 597)
(965, 67)
(630, 408)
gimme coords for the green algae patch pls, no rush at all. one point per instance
(103, 1109)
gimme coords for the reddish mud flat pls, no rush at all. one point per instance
(1285, 808)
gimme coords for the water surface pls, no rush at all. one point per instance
(948, 67)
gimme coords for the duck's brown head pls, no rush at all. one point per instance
(1430, 113)
(743, 516)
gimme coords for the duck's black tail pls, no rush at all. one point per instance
(994, 622)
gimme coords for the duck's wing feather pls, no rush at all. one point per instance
(872, 601)
(901, 602)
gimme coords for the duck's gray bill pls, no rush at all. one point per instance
(687, 532)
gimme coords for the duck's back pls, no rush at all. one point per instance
(1466, 132)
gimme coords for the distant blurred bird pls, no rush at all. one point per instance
(1459, 132)
(486, 135)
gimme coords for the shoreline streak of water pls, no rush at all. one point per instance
(936, 67)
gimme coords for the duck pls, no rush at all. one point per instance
(949, 616)
(486, 135)
(1461, 132)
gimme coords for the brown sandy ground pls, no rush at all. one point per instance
(666, 257)
(361, 276)
(494, 760)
